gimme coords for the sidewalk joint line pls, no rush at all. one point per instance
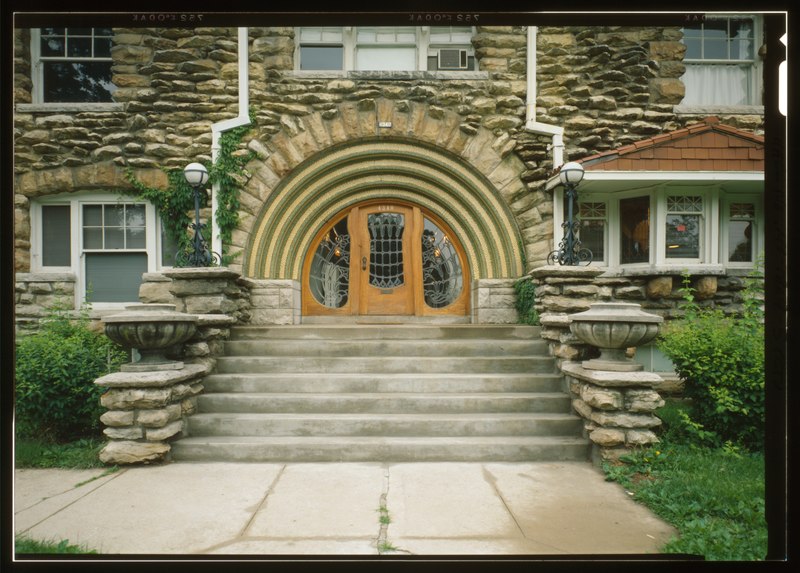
(115, 475)
(262, 503)
(489, 477)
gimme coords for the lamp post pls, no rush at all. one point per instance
(198, 255)
(569, 250)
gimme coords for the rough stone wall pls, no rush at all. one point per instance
(607, 86)
(34, 293)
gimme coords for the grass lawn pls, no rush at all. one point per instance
(77, 455)
(713, 496)
(23, 545)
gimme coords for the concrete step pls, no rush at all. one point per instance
(312, 383)
(385, 332)
(290, 449)
(386, 347)
(351, 424)
(381, 365)
(387, 403)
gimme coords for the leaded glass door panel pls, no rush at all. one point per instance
(386, 266)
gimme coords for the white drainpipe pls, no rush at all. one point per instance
(220, 127)
(531, 124)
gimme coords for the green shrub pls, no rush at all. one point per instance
(525, 300)
(721, 361)
(56, 398)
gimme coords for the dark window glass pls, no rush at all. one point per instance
(683, 236)
(102, 47)
(53, 46)
(321, 57)
(79, 47)
(114, 277)
(77, 82)
(56, 242)
(635, 230)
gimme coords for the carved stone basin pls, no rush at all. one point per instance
(151, 329)
(614, 327)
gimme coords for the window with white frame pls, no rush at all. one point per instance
(722, 62)
(593, 223)
(106, 240)
(72, 65)
(666, 226)
(741, 236)
(385, 48)
(684, 227)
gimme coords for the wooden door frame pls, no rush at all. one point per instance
(459, 307)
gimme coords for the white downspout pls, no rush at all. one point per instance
(217, 129)
(557, 132)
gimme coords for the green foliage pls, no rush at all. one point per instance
(721, 361)
(24, 545)
(526, 292)
(80, 454)
(56, 398)
(714, 496)
(175, 204)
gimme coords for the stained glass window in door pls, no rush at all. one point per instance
(442, 274)
(386, 250)
(329, 278)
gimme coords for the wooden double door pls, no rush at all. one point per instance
(385, 258)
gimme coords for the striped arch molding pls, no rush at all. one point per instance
(347, 174)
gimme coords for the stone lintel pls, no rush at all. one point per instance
(45, 277)
(557, 319)
(205, 273)
(586, 272)
(154, 379)
(611, 379)
(208, 320)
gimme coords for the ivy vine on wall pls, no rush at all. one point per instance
(175, 204)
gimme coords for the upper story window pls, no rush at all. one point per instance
(383, 48)
(72, 65)
(722, 62)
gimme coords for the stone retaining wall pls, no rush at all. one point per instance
(274, 301)
(494, 301)
(35, 293)
(617, 407)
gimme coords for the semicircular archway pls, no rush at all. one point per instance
(382, 168)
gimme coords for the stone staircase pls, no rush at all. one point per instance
(398, 393)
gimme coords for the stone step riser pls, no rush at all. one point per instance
(421, 348)
(500, 451)
(254, 383)
(380, 365)
(421, 403)
(385, 332)
(351, 425)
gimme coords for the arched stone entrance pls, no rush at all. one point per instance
(383, 169)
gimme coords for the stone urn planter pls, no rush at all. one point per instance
(613, 327)
(151, 329)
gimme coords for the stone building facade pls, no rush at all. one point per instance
(466, 154)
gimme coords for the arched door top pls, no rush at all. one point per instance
(384, 169)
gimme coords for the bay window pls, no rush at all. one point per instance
(673, 227)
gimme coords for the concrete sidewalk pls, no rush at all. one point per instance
(547, 508)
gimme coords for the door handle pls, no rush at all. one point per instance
(363, 263)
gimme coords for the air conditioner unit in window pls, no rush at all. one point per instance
(453, 59)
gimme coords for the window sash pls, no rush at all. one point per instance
(56, 236)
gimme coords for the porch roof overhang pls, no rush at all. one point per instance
(702, 153)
